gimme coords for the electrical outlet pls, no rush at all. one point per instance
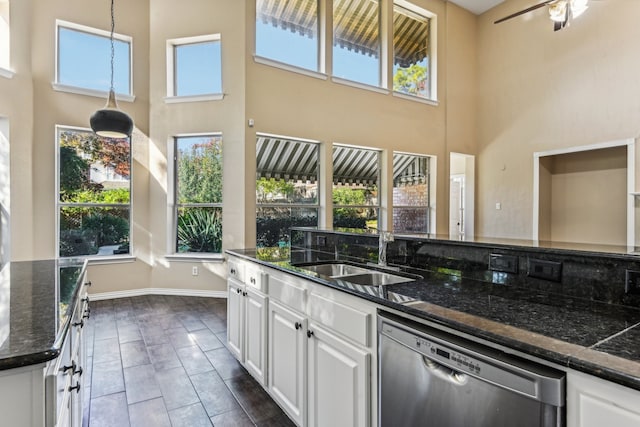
(194, 270)
(504, 263)
(632, 282)
(547, 270)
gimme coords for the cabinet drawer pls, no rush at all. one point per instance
(255, 278)
(236, 269)
(288, 293)
(348, 321)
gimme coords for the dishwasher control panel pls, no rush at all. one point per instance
(450, 357)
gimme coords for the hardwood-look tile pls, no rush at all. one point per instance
(106, 350)
(253, 399)
(176, 388)
(163, 357)
(109, 411)
(213, 393)
(107, 379)
(133, 354)
(237, 418)
(193, 360)
(141, 384)
(206, 340)
(224, 363)
(150, 413)
(128, 331)
(180, 337)
(190, 416)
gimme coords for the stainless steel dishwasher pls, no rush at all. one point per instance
(428, 377)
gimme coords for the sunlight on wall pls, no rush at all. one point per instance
(4, 191)
(4, 35)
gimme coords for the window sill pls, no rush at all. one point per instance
(110, 259)
(91, 92)
(287, 67)
(414, 98)
(359, 85)
(195, 257)
(6, 73)
(194, 98)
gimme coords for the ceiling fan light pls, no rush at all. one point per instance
(558, 11)
(578, 7)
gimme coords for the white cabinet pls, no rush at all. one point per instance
(287, 360)
(319, 372)
(594, 402)
(247, 318)
(338, 376)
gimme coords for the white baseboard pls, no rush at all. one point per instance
(157, 291)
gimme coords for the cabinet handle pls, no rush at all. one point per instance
(253, 280)
(78, 372)
(87, 313)
(72, 367)
(309, 334)
(233, 271)
(75, 387)
(80, 323)
(238, 290)
(298, 325)
(244, 294)
(87, 283)
(85, 299)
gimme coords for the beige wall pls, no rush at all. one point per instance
(541, 90)
(279, 101)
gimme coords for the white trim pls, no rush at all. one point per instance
(157, 291)
(109, 259)
(289, 138)
(96, 32)
(171, 67)
(6, 73)
(287, 67)
(415, 98)
(358, 85)
(629, 143)
(192, 256)
(194, 98)
(90, 92)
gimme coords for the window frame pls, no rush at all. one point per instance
(379, 180)
(317, 204)
(59, 205)
(5, 39)
(174, 206)
(433, 52)
(171, 46)
(61, 87)
(430, 190)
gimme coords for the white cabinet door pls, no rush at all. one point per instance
(287, 360)
(594, 402)
(255, 351)
(338, 375)
(235, 319)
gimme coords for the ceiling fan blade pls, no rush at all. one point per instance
(522, 12)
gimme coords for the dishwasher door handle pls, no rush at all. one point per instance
(444, 372)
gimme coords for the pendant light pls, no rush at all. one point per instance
(111, 122)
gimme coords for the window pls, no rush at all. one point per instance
(356, 40)
(286, 187)
(198, 193)
(194, 66)
(94, 194)
(412, 50)
(410, 193)
(355, 187)
(5, 45)
(84, 55)
(293, 24)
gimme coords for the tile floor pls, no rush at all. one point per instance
(161, 361)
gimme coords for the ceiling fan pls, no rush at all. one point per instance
(561, 12)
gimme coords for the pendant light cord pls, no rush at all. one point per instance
(113, 24)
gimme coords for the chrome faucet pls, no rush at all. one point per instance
(385, 237)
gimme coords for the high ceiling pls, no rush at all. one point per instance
(477, 6)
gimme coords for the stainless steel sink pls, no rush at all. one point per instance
(376, 279)
(335, 270)
(356, 275)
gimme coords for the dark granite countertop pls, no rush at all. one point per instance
(594, 337)
(36, 302)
